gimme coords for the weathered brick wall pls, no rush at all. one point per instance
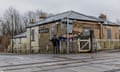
(78, 26)
(114, 30)
(44, 41)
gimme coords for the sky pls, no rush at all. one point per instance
(89, 7)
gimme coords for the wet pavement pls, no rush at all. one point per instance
(105, 61)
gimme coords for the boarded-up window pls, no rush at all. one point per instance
(33, 35)
(109, 34)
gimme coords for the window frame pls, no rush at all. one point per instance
(109, 34)
(32, 35)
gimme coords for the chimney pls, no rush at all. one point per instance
(103, 16)
(42, 16)
(32, 21)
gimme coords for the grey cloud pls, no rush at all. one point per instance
(89, 7)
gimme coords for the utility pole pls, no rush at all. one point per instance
(67, 35)
(12, 32)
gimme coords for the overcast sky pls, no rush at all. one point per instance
(89, 7)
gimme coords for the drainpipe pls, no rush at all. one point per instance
(101, 30)
(30, 39)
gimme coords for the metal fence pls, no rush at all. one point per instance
(73, 46)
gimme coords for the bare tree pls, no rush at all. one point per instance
(36, 15)
(12, 22)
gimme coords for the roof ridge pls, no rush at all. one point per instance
(85, 15)
(70, 12)
(57, 15)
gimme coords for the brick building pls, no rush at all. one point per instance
(39, 33)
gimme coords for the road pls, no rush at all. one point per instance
(105, 61)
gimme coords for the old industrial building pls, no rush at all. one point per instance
(37, 37)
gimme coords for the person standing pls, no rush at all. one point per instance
(56, 44)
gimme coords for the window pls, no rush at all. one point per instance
(57, 26)
(20, 41)
(70, 28)
(33, 35)
(109, 33)
(86, 31)
(14, 41)
(52, 30)
(64, 27)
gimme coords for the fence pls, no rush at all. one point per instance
(75, 46)
(18, 48)
(107, 43)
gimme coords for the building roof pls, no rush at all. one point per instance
(71, 15)
(22, 35)
(107, 22)
(68, 14)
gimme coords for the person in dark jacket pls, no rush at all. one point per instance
(56, 44)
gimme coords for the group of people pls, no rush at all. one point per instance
(56, 44)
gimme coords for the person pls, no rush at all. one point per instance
(56, 44)
(79, 34)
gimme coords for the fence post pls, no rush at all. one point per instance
(78, 41)
(60, 47)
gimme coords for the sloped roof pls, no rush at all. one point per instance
(107, 22)
(22, 35)
(68, 14)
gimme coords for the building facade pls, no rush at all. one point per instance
(39, 33)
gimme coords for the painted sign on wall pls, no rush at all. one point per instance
(45, 30)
